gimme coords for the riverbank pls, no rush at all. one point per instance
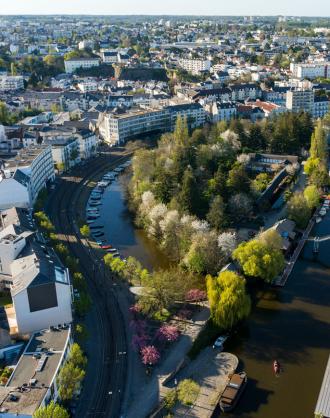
(289, 324)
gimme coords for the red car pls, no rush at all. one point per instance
(106, 247)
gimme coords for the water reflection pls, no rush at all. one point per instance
(290, 324)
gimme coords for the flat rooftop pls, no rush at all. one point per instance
(39, 361)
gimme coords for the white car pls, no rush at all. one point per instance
(219, 342)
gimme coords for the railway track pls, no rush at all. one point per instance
(108, 383)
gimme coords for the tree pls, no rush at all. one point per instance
(216, 214)
(188, 197)
(52, 410)
(204, 255)
(168, 333)
(69, 380)
(85, 231)
(195, 295)
(271, 239)
(227, 242)
(261, 182)
(240, 205)
(81, 332)
(298, 209)
(188, 391)
(229, 302)
(181, 133)
(319, 146)
(76, 356)
(150, 355)
(312, 196)
(259, 260)
(238, 179)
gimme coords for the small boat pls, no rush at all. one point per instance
(276, 367)
(112, 250)
(106, 247)
(233, 391)
(92, 217)
(97, 227)
(90, 221)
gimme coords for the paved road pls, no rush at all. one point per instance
(105, 381)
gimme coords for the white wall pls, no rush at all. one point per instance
(13, 193)
(28, 322)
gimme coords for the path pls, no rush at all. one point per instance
(210, 370)
(151, 393)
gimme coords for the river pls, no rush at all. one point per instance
(290, 324)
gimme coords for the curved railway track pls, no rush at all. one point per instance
(110, 360)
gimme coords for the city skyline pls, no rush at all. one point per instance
(172, 7)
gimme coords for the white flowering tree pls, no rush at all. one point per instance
(227, 242)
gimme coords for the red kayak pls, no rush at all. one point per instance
(276, 367)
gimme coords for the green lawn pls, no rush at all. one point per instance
(5, 300)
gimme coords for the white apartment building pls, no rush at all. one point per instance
(87, 143)
(41, 290)
(65, 151)
(218, 111)
(87, 85)
(314, 70)
(109, 56)
(194, 113)
(321, 107)
(72, 64)
(11, 83)
(24, 175)
(86, 43)
(37, 370)
(300, 99)
(117, 128)
(195, 66)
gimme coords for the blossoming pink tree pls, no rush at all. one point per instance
(195, 295)
(168, 333)
(150, 355)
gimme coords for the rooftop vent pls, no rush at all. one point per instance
(41, 363)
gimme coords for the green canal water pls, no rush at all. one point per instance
(291, 324)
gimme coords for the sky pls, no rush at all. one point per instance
(170, 7)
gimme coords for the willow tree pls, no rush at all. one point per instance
(258, 259)
(229, 302)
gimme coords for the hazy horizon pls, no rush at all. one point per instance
(318, 8)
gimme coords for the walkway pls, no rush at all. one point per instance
(281, 280)
(210, 370)
(150, 394)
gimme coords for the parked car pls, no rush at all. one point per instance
(219, 342)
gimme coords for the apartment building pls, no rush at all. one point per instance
(39, 284)
(11, 83)
(195, 66)
(116, 128)
(310, 71)
(33, 383)
(65, 151)
(23, 175)
(194, 113)
(300, 99)
(73, 64)
(218, 111)
(321, 107)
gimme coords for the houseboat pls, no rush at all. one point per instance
(233, 391)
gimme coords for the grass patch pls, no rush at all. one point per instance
(5, 300)
(205, 338)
